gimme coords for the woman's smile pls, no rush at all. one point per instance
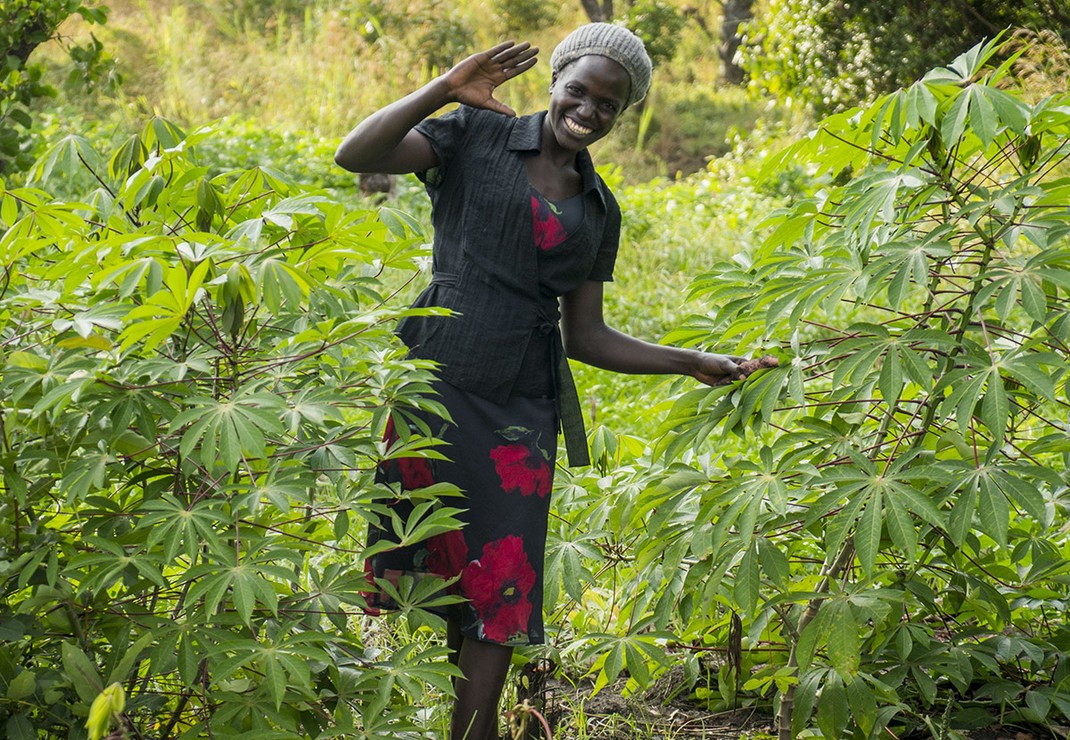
(577, 128)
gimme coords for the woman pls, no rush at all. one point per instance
(521, 220)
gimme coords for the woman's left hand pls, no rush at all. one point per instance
(714, 369)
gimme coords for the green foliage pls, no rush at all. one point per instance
(658, 24)
(834, 55)
(444, 38)
(197, 371)
(25, 25)
(901, 529)
(522, 16)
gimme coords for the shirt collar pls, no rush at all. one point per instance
(526, 136)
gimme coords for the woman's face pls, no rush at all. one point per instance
(585, 100)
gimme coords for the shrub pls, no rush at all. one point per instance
(198, 370)
(901, 529)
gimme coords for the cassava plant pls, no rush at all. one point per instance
(895, 532)
(197, 371)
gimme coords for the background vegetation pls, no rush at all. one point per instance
(871, 540)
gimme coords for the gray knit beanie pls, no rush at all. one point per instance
(608, 40)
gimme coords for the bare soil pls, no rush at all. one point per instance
(669, 712)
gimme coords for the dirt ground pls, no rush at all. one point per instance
(668, 713)
(663, 713)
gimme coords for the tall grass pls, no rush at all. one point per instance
(320, 66)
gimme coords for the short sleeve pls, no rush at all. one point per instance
(602, 270)
(446, 134)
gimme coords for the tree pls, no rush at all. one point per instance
(735, 13)
(25, 25)
(598, 11)
(832, 55)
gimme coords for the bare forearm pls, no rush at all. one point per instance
(372, 145)
(612, 350)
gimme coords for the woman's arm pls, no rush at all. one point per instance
(385, 140)
(589, 340)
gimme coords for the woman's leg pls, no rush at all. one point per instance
(475, 714)
(453, 641)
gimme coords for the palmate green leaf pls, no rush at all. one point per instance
(747, 585)
(109, 562)
(564, 559)
(833, 709)
(867, 537)
(774, 562)
(995, 407)
(226, 431)
(734, 512)
(85, 473)
(81, 672)
(921, 105)
(280, 283)
(890, 379)
(871, 199)
(805, 698)
(246, 580)
(638, 647)
(128, 158)
(162, 314)
(813, 637)
(960, 519)
(859, 356)
(760, 392)
(993, 509)
(863, 703)
(65, 159)
(428, 518)
(900, 525)
(844, 644)
(282, 661)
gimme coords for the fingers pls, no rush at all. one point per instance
(514, 59)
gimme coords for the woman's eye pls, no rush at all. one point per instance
(609, 108)
(573, 90)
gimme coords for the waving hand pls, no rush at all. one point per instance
(473, 80)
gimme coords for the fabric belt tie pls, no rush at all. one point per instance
(569, 413)
(566, 397)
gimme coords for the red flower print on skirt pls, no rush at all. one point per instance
(498, 585)
(447, 554)
(522, 469)
(548, 229)
(415, 472)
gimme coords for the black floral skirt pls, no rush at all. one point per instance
(502, 458)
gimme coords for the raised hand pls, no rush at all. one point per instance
(473, 80)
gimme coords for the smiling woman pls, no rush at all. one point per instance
(526, 234)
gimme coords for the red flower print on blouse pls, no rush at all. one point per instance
(498, 585)
(548, 229)
(415, 472)
(522, 469)
(447, 554)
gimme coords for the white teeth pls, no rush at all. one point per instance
(576, 128)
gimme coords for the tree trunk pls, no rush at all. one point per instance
(598, 10)
(736, 12)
